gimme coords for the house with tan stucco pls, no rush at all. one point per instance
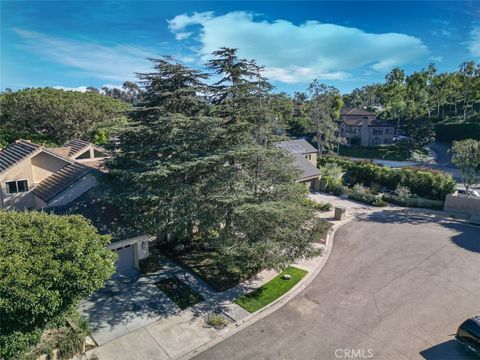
(62, 180)
(36, 177)
(362, 127)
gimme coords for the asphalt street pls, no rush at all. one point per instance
(395, 287)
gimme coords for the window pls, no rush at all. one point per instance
(377, 132)
(17, 186)
(388, 131)
(308, 157)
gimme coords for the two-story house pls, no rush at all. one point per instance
(361, 127)
(60, 180)
(36, 177)
(305, 159)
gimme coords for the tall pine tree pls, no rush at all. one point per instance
(210, 179)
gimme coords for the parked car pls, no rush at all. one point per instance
(468, 334)
(471, 192)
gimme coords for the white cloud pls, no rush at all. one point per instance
(66, 88)
(180, 22)
(297, 53)
(474, 42)
(118, 62)
(182, 35)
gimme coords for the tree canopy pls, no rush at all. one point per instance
(48, 263)
(208, 175)
(466, 156)
(55, 116)
(423, 93)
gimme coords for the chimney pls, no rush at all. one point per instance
(364, 135)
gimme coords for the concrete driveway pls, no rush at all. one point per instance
(127, 302)
(395, 287)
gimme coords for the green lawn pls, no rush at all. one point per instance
(271, 291)
(385, 152)
(179, 293)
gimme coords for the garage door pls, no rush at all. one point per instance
(126, 259)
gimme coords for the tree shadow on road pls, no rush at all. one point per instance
(448, 350)
(397, 217)
(467, 237)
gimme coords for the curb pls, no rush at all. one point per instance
(273, 306)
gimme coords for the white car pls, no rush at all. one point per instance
(471, 192)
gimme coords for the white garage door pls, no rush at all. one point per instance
(126, 259)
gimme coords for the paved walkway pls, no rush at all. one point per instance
(132, 319)
(157, 329)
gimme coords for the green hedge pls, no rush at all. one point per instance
(425, 183)
(370, 199)
(453, 132)
(414, 202)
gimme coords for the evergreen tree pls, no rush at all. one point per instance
(172, 88)
(213, 179)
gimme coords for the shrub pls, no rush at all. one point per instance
(325, 207)
(375, 188)
(425, 183)
(16, 342)
(456, 132)
(365, 198)
(317, 205)
(359, 189)
(48, 263)
(403, 192)
(339, 190)
(217, 321)
(414, 202)
(379, 202)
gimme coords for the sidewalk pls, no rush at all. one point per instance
(183, 334)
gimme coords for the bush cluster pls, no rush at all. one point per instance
(426, 183)
(317, 206)
(359, 193)
(415, 202)
(456, 132)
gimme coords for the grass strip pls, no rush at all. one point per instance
(271, 291)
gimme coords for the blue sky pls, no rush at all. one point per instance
(74, 44)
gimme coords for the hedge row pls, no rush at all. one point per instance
(426, 183)
(414, 202)
(453, 132)
(370, 199)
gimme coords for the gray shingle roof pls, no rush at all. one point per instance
(298, 146)
(306, 167)
(76, 146)
(103, 215)
(58, 182)
(16, 152)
